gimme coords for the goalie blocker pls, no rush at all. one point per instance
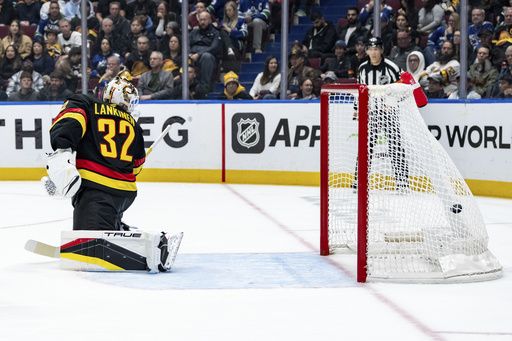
(118, 251)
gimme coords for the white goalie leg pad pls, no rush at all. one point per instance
(63, 174)
(113, 251)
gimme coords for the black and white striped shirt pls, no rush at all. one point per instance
(386, 72)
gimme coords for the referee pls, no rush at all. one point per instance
(377, 70)
(381, 71)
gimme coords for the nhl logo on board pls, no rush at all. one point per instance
(248, 133)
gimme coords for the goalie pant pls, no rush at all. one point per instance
(118, 251)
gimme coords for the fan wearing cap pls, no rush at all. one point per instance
(233, 89)
(297, 72)
(377, 70)
(361, 56)
(435, 86)
(340, 65)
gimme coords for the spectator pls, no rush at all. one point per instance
(15, 81)
(193, 17)
(26, 93)
(172, 60)
(267, 82)
(138, 61)
(405, 46)
(415, 64)
(204, 44)
(233, 89)
(93, 24)
(441, 34)
(196, 90)
(75, 61)
(7, 12)
(352, 30)
(68, 39)
(16, 37)
(28, 12)
(156, 83)
(54, 49)
(298, 72)
(140, 7)
(233, 31)
(63, 66)
(45, 8)
(43, 63)
(408, 9)
(330, 78)
(483, 74)
(506, 69)
(10, 63)
(71, 9)
(360, 56)
(163, 17)
(49, 23)
(497, 53)
(340, 65)
(505, 26)
(137, 30)
(256, 13)
(3, 96)
(435, 86)
(103, 9)
(120, 23)
(505, 87)
(217, 7)
(430, 17)
(116, 41)
(386, 34)
(172, 28)
(478, 23)
(457, 47)
(402, 24)
(306, 89)
(57, 89)
(114, 68)
(319, 39)
(100, 60)
(470, 93)
(366, 14)
(447, 65)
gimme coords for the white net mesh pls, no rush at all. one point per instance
(423, 222)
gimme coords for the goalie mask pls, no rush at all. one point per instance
(121, 92)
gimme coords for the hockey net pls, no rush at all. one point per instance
(390, 192)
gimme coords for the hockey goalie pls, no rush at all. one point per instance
(98, 152)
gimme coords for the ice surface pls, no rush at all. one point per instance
(248, 269)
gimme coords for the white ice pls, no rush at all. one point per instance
(248, 269)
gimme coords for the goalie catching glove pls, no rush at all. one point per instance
(64, 179)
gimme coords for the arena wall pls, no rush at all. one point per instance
(274, 142)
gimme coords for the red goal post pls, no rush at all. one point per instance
(390, 192)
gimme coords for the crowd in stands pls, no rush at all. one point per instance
(41, 48)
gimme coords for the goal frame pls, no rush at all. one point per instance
(362, 172)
